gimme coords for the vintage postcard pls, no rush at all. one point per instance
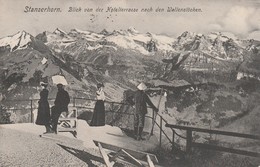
(130, 83)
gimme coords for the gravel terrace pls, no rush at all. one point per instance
(21, 145)
(25, 149)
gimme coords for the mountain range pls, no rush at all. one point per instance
(200, 72)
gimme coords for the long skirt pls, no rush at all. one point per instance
(98, 118)
(43, 117)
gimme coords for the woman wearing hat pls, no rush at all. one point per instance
(43, 117)
(98, 118)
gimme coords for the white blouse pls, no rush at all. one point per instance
(100, 95)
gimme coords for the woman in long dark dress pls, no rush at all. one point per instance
(98, 118)
(43, 117)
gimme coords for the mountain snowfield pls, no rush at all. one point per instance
(20, 40)
(213, 43)
(128, 39)
(192, 51)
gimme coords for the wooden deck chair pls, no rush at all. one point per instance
(68, 122)
(132, 155)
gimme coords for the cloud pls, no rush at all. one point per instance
(214, 27)
(237, 17)
(240, 20)
(254, 35)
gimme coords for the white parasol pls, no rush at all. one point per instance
(58, 79)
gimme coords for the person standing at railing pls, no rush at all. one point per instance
(139, 101)
(43, 117)
(60, 105)
(98, 118)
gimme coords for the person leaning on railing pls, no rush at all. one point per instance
(139, 100)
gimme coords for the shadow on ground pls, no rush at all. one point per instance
(82, 155)
(87, 157)
(130, 133)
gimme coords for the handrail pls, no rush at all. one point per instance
(179, 134)
(191, 144)
(164, 133)
(73, 102)
(155, 123)
(165, 121)
(235, 134)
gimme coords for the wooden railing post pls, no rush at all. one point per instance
(74, 101)
(173, 136)
(160, 131)
(112, 108)
(31, 111)
(188, 140)
(152, 121)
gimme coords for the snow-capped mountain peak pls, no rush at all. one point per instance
(59, 31)
(75, 30)
(129, 32)
(218, 36)
(88, 35)
(188, 34)
(104, 32)
(18, 41)
(132, 30)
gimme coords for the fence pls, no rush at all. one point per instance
(31, 105)
(112, 110)
(160, 124)
(190, 144)
(24, 105)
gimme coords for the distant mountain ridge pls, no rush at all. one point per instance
(80, 44)
(190, 51)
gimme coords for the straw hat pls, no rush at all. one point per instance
(142, 86)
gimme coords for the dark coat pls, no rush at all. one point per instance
(140, 100)
(62, 100)
(43, 117)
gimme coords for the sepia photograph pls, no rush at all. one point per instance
(130, 83)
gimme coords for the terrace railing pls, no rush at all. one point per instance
(160, 123)
(31, 104)
(190, 143)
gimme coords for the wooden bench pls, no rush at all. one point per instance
(68, 121)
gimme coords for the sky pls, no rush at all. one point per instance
(234, 17)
